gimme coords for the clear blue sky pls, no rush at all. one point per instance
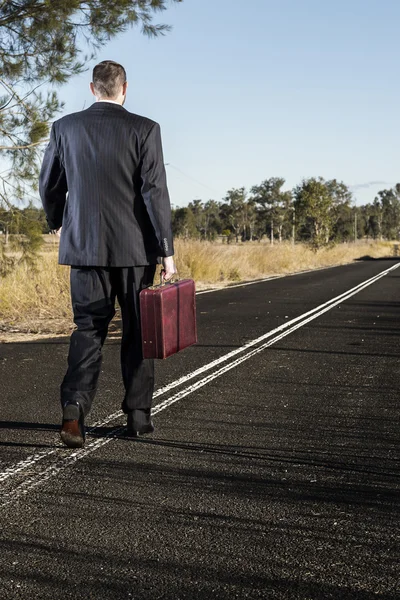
(247, 90)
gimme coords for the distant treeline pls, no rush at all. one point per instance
(27, 221)
(316, 211)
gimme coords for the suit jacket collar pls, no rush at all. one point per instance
(105, 106)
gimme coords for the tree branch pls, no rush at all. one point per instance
(25, 147)
(11, 91)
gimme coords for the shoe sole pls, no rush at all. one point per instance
(72, 441)
(70, 438)
(139, 432)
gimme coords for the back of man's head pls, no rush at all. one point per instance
(108, 78)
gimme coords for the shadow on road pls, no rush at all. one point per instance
(29, 426)
(381, 258)
(210, 521)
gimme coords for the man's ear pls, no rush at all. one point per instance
(92, 88)
(124, 88)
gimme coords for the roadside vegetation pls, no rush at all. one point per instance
(265, 230)
(317, 211)
(43, 45)
(37, 300)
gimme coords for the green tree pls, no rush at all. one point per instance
(387, 210)
(284, 215)
(5, 223)
(212, 221)
(197, 209)
(238, 213)
(43, 45)
(346, 218)
(313, 204)
(206, 218)
(341, 211)
(22, 234)
(363, 222)
(273, 204)
(320, 206)
(184, 223)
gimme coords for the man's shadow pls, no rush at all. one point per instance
(27, 426)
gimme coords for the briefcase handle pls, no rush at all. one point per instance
(162, 282)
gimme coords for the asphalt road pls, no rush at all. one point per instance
(273, 471)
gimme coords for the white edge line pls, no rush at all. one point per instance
(251, 343)
(64, 462)
(31, 460)
(271, 278)
(241, 359)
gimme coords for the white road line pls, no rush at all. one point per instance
(256, 341)
(229, 287)
(31, 460)
(238, 361)
(25, 464)
(63, 462)
(271, 278)
(71, 458)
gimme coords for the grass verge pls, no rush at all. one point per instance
(38, 302)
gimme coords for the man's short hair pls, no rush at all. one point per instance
(108, 77)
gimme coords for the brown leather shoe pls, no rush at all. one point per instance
(73, 426)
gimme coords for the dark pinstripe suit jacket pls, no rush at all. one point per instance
(103, 180)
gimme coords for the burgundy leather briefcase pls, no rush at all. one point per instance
(168, 318)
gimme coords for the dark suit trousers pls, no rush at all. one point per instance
(93, 294)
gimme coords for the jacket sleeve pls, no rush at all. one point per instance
(155, 192)
(53, 184)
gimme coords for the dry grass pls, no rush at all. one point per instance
(211, 264)
(35, 301)
(38, 302)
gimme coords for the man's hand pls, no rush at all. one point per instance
(169, 268)
(58, 232)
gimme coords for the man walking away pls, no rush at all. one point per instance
(103, 181)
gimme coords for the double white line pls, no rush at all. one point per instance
(64, 458)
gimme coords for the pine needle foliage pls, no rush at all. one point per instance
(43, 44)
